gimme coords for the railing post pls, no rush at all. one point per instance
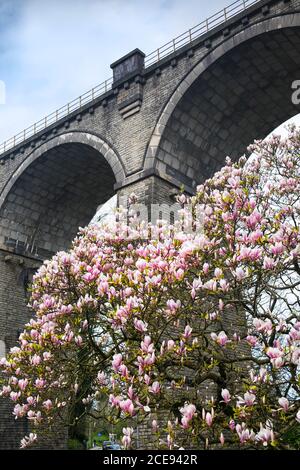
(158, 54)
(174, 45)
(225, 14)
(207, 27)
(190, 35)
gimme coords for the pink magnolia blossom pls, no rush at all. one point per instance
(224, 285)
(170, 344)
(131, 394)
(263, 326)
(40, 383)
(117, 361)
(147, 345)
(248, 399)
(255, 236)
(140, 325)
(231, 425)
(273, 353)
(47, 405)
(147, 379)
(31, 400)
(141, 264)
(278, 248)
(115, 401)
(277, 362)
(221, 338)
(28, 441)
(155, 388)
(240, 274)
(154, 425)
(252, 340)
(294, 334)
(265, 435)
(218, 273)
(14, 395)
(170, 441)
(127, 406)
(185, 422)
(23, 384)
(173, 305)
(19, 411)
(244, 433)
(187, 332)
(253, 219)
(132, 295)
(127, 437)
(197, 284)
(47, 355)
(123, 370)
(284, 403)
(101, 377)
(35, 360)
(210, 285)
(226, 395)
(205, 268)
(268, 263)
(179, 274)
(188, 248)
(208, 419)
(189, 411)
(6, 389)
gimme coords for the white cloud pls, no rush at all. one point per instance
(282, 129)
(53, 51)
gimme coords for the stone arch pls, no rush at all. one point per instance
(240, 91)
(56, 189)
(73, 137)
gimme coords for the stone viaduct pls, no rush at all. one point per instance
(163, 121)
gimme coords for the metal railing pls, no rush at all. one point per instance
(74, 105)
(187, 37)
(199, 30)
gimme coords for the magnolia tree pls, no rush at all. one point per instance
(196, 332)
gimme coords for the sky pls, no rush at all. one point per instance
(52, 51)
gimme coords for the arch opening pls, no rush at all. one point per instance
(54, 195)
(242, 96)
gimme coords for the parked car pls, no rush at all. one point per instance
(106, 444)
(115, 447)
(109, 445)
